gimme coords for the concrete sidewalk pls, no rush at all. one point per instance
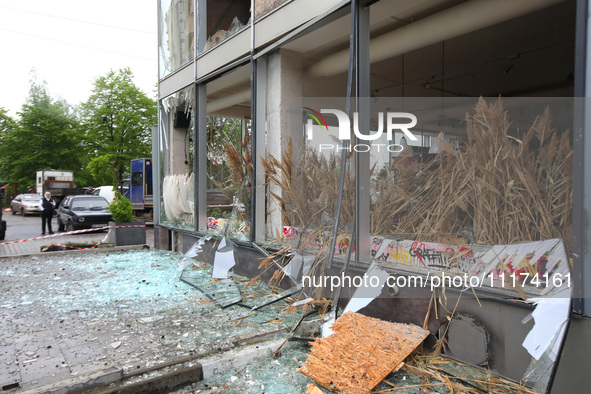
(121, 321)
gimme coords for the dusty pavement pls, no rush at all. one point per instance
(69, 321)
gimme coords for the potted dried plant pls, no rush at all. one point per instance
(124, 231)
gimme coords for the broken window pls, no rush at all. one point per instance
(228, 133)
(176, 143)
(224, 19)
(176, 28)
(497, 181)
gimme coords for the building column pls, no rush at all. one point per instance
(283, 121)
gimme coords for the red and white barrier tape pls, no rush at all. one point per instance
(70, 233)
(81, 248)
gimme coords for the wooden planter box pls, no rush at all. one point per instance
(128, 235)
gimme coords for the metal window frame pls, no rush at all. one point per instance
(581, 149)
(156, 172)
(362, 159)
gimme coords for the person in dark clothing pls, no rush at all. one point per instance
(90, 190)
(47, 205)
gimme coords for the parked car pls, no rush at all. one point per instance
(78, 212)
(107, 192)
(25, 204)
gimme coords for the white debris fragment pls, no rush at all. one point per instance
(233, 379)
(303, 302)
(115, 345)
(223, 260)
(151, 319)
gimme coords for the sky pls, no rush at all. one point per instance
(70, 43)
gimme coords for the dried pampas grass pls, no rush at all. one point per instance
(494, 188)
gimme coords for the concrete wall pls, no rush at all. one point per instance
(284, 87)
(161, 238)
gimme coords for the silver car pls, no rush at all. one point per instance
(25, 204)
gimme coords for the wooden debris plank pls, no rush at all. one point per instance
(360, 353)
(312, 389)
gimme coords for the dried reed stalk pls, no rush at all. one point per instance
(500, 188)
(309, 190)
(240, 165)
(239, 161)
(434, 366)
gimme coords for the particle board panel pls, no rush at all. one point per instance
(361, 352)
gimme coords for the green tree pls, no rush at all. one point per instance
(6, 122)
(117, 118)
(45, 137)
(7, 126)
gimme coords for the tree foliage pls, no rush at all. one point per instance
(102, 168)
(117, 119)
(6, 122)
(7, 126)
(45, 137)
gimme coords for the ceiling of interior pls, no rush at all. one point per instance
(531, 55)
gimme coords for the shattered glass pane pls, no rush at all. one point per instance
(228, 167)
(279, 297)
(224, 19)
(239, 223)
(263, 375)
(223, 291)
(176, 174)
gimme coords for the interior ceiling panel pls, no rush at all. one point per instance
(528, 55)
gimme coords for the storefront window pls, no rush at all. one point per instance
(177, 180)
(304, 182)
(176, 30)
(479, 172)
(228, 170)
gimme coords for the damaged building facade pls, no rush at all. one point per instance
(475, 167)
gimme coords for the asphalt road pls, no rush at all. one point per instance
(23, 227)
(29, 226)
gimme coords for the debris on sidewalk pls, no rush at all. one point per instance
(436, 373)
(85, 313)
(361, 352)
